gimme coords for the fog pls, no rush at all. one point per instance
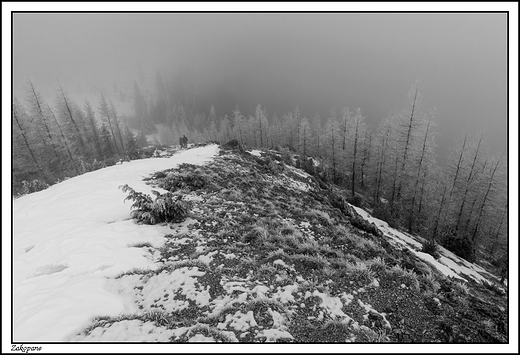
(315, 61)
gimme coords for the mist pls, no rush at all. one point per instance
(315, 61)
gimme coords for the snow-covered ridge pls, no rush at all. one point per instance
(216, 276)
(70, 237)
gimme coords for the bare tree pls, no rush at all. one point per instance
(105, 115)
(468, 183)
(90, 115)
(36, 105)
(114, 114)
(68, 112)
(69, 153)
(25, 138)
(304, 136)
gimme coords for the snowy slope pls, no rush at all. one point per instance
(69, 238)
(449, 264)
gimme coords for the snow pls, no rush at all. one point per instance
(208, 258)
(73, 239)
(160, 290)
(199, 338)
(70, 238)
(369, 309)
(239, 321)
(284, 294)
(260, 291)
(272, 335)
(281, 263)
(441, 266)
(448, 264)
(332, 305)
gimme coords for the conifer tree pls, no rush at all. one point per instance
(347, 117)
(142, 142)
(367, 145)
(18, 115)
(116, 124)
(421, 169)
(106, 141)
(484, 203)
(105, 116)
(469, 183)
(64, 140)
(304, 136)
(225, 130)
(332, 142)
(131, 145)
(318, 133)
(238, 123)
(261, 118)
(65, 109)
(94, 128)
(358, 130)
(382, 159)
(36, 107)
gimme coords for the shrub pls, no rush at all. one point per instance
(165, 208)
(201, 265)
(340, 203)
(270, 165)
(356, 200)
(376, 264)
(359, 272)
(310, 247)
(429, 283)
(367, 335)
(321, 216)
(493, 287)
(276, 254)
(366, 226)
(462, 247)
(207, 331)
(310, 262)
(33, 186)
(190, 180)
(409, 278)
(307, 165)
(95, 165)
(382, 211)
(461, 288)
(262, 304)
(286, 157)
(430, 247)
(232, 145)
(134, 271)
(256, 234)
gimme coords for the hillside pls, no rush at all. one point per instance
(257, 251)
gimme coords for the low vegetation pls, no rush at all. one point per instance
(271, 256)
(164, 208)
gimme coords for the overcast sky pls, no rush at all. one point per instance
(316, 61)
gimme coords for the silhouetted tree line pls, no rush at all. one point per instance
(50, 143)
(391, 169)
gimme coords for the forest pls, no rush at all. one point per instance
(392, 168)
